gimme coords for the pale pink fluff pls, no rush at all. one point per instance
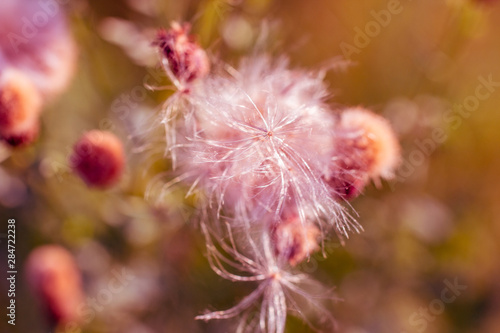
(259, 141)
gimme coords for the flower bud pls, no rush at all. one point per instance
(20, 106)
(55, 280)
(187, 61)
(373, 142)
(98, 158)
(295, 241)
(365, 147)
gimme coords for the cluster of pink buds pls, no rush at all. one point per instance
(37, 57)
(275, 164)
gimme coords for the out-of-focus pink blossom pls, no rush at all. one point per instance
(37, 60)
(35, 38)
(20, 106)
(98, 158)
(55, 280)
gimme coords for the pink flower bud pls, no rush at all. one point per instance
(20, 105)
(55, 280)
(23, 136)
(365, 147)
(186, 60)
(98, 158)
(376, 142)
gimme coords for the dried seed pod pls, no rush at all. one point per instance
(98, 158)
(20, 106)
(186, 60)
(55, 280)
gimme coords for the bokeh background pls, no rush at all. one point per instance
(438, 221)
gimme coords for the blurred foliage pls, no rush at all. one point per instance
(439, 222)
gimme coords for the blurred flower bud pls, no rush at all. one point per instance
(55, 280)
(295, 241)
(376, 143)
(366, 147)
(187, 61)
(98, 158)
(20, 106)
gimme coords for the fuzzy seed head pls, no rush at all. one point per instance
(98, 158)
(272, 161)
(55, 280)
(260, 140)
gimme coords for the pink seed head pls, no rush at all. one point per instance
(98, 158)
(259, 138)
(186, 60)
(55, 280)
